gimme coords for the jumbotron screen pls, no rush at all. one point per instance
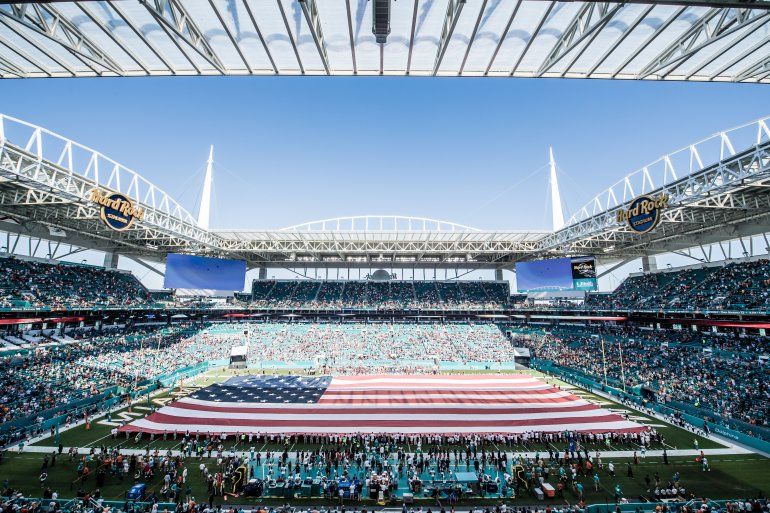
(204, 274)
(556, 274)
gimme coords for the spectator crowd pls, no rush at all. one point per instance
(53, 375)
(720, 373)
(730, 286)
(34, 285)
(380, 295)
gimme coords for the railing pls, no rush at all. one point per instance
(715, 420)
(95, 505)
(20, 428)
(58, 414)
(728, 428)
(651, 506)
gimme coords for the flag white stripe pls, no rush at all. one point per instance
(425, 415)
(432, 378)
(465, 383)
(474, 406)
(408, 394)
(428, 386)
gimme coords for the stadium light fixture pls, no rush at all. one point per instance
(381, 20)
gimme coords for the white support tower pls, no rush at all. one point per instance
(557, 215)
(204, 214)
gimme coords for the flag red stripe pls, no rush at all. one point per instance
(443, 400)
(390, 391)
(310, 422)
(182, 430)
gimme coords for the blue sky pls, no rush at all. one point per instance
(295, 149)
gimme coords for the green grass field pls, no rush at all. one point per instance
(732, 476)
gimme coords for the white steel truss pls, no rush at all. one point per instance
(676, 165)
(45, 174)
(719, 189)
(373, 223)
(712, 188)
(719, 40)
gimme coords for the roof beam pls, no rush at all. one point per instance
(179, 26)
(503, 35)
(748, 4)
(310, 10)
(611, 48)
(10, 68)
(719, 4)
(411, 38)
(46, 21)
(140, 35)
(112, 36)
(453, 10)
(473, 36)
(24, 55)
(739, 58)
(758, 69)
(143, 264)
(615, 267)
(700, 35)
(647, 41)
(720, 53)
(588, 21)
(291, 37)
(42, 49)
(533, 37)
(352, 38)
(230, 36)
(763, 77)
(261, 37)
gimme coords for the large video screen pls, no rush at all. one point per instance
(544, 275)
(204, 274)
(556, 274)
(584, 273)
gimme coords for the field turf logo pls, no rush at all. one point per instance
(117, 210)
(643, 213)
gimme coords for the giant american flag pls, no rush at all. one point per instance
(406, 404)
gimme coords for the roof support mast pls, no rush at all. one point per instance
(204, 214)
(557, 215)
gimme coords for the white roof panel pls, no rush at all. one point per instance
(489, 37)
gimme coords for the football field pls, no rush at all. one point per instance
(734, 472)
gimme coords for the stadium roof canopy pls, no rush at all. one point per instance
(719, 190)
(699, 40)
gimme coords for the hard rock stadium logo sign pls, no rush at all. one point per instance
(117, 210)
(643, 213)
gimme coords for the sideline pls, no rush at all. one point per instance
(40, 449)
(687, 426)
